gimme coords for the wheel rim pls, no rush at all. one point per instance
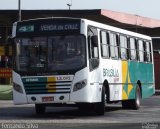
(138, 97)
(105, 97)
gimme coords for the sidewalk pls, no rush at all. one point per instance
(5, 92)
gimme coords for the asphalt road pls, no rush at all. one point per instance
(23, 116)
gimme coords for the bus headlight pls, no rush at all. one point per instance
(17, 88)
(79, 85)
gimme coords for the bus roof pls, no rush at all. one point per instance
(116, 29)
(98, 25)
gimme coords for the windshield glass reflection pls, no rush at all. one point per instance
(52, 53)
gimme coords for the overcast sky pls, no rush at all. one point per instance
(147, 8)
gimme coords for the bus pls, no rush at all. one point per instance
(81, 62)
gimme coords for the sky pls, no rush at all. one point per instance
(146, 8)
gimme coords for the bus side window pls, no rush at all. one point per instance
(141, 50)
(113, 45)
(148, 52)
(137, 49)
(133, 54)
(117, 46)
(123, 47)
(93, 47)
(104, 44)
(145, 51)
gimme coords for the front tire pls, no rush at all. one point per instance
(100, 107)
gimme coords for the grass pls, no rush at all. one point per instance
(6, 92)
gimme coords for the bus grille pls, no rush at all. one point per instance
(47, 87)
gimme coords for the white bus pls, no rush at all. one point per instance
(78, 61)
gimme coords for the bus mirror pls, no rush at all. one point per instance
(94, 41)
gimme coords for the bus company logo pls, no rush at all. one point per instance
(32, 80)
(110, 72)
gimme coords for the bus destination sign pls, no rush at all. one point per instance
(26, 28)
(48, 26)
(59, 27)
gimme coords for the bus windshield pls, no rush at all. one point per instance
(50, 53)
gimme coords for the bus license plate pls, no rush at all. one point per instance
(47, 99)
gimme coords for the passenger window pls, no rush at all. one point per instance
(145, 52)
(113, 45)
(123, 47)
(148, 54)
(141, 50)
(105, 44)
(150, 50)
(133, 55)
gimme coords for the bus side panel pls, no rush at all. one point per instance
(125, 79)
(112, 72)
(134, 72)
(128, 80)
(142, 72)
(147, 83)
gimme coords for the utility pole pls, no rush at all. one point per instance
(137, 18)
(19, 10)
(138, 22)
(69, 5)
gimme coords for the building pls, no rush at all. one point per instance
(134, 23)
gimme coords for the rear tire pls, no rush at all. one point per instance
(137, 101)
(40, 109)
(134, 103)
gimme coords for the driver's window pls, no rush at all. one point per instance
(93, 49)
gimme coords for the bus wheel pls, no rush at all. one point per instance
(137, 101)
(40, 109)
(134, 103)
(99, 108)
